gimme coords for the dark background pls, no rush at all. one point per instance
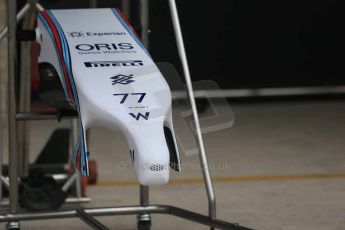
(249, 44)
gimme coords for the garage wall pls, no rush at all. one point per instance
(246, 44)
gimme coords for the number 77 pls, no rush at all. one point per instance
(125, 95)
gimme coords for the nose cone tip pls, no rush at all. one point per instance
(153, 174)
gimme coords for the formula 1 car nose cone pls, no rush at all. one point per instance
(108, 76)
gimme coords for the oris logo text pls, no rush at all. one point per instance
(105, 48)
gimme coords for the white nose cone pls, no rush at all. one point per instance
(150, 154)
(113, 82)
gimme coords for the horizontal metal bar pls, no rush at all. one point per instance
(202, 219)
(20, 16)
(24, 116)
(128, 210)
(131, 210)
(69, 200)
(89, 220)
(210, 94)
(77, 200)
(262, 92)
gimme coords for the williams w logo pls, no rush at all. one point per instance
(122, 79)
(137, 117)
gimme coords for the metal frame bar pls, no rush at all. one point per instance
(202, 154)
(24, 98)
(12, 134)
(144, 22)
(265, 92)
(144, 191)
(24, 116)
(19, 17)
(68, 201)
(127, 210)
(1, 149)
(76, 177)
(89, 220)
(144, 202)
(10, 32)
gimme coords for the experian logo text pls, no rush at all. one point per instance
(80, 34)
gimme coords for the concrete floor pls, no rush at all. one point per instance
(280, 167)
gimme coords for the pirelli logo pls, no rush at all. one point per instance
(113, 63)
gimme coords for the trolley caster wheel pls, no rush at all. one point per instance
(13, 225)
(144, 225)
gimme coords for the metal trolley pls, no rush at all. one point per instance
(145, 209)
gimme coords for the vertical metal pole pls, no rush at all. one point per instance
(24, 100)
(74, 139)
(12, 68)
(144, 201)
(1, 150)
(144, 195)
(202, 155)
(126, 8)
(144, 21)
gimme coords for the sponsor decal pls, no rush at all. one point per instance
(105, 48)
(122, 79)
(79, 34)
(137, 117)
(141, 96)
(113, 63)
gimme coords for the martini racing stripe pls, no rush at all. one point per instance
(118, 14)
(62, 49)
(53, 32)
